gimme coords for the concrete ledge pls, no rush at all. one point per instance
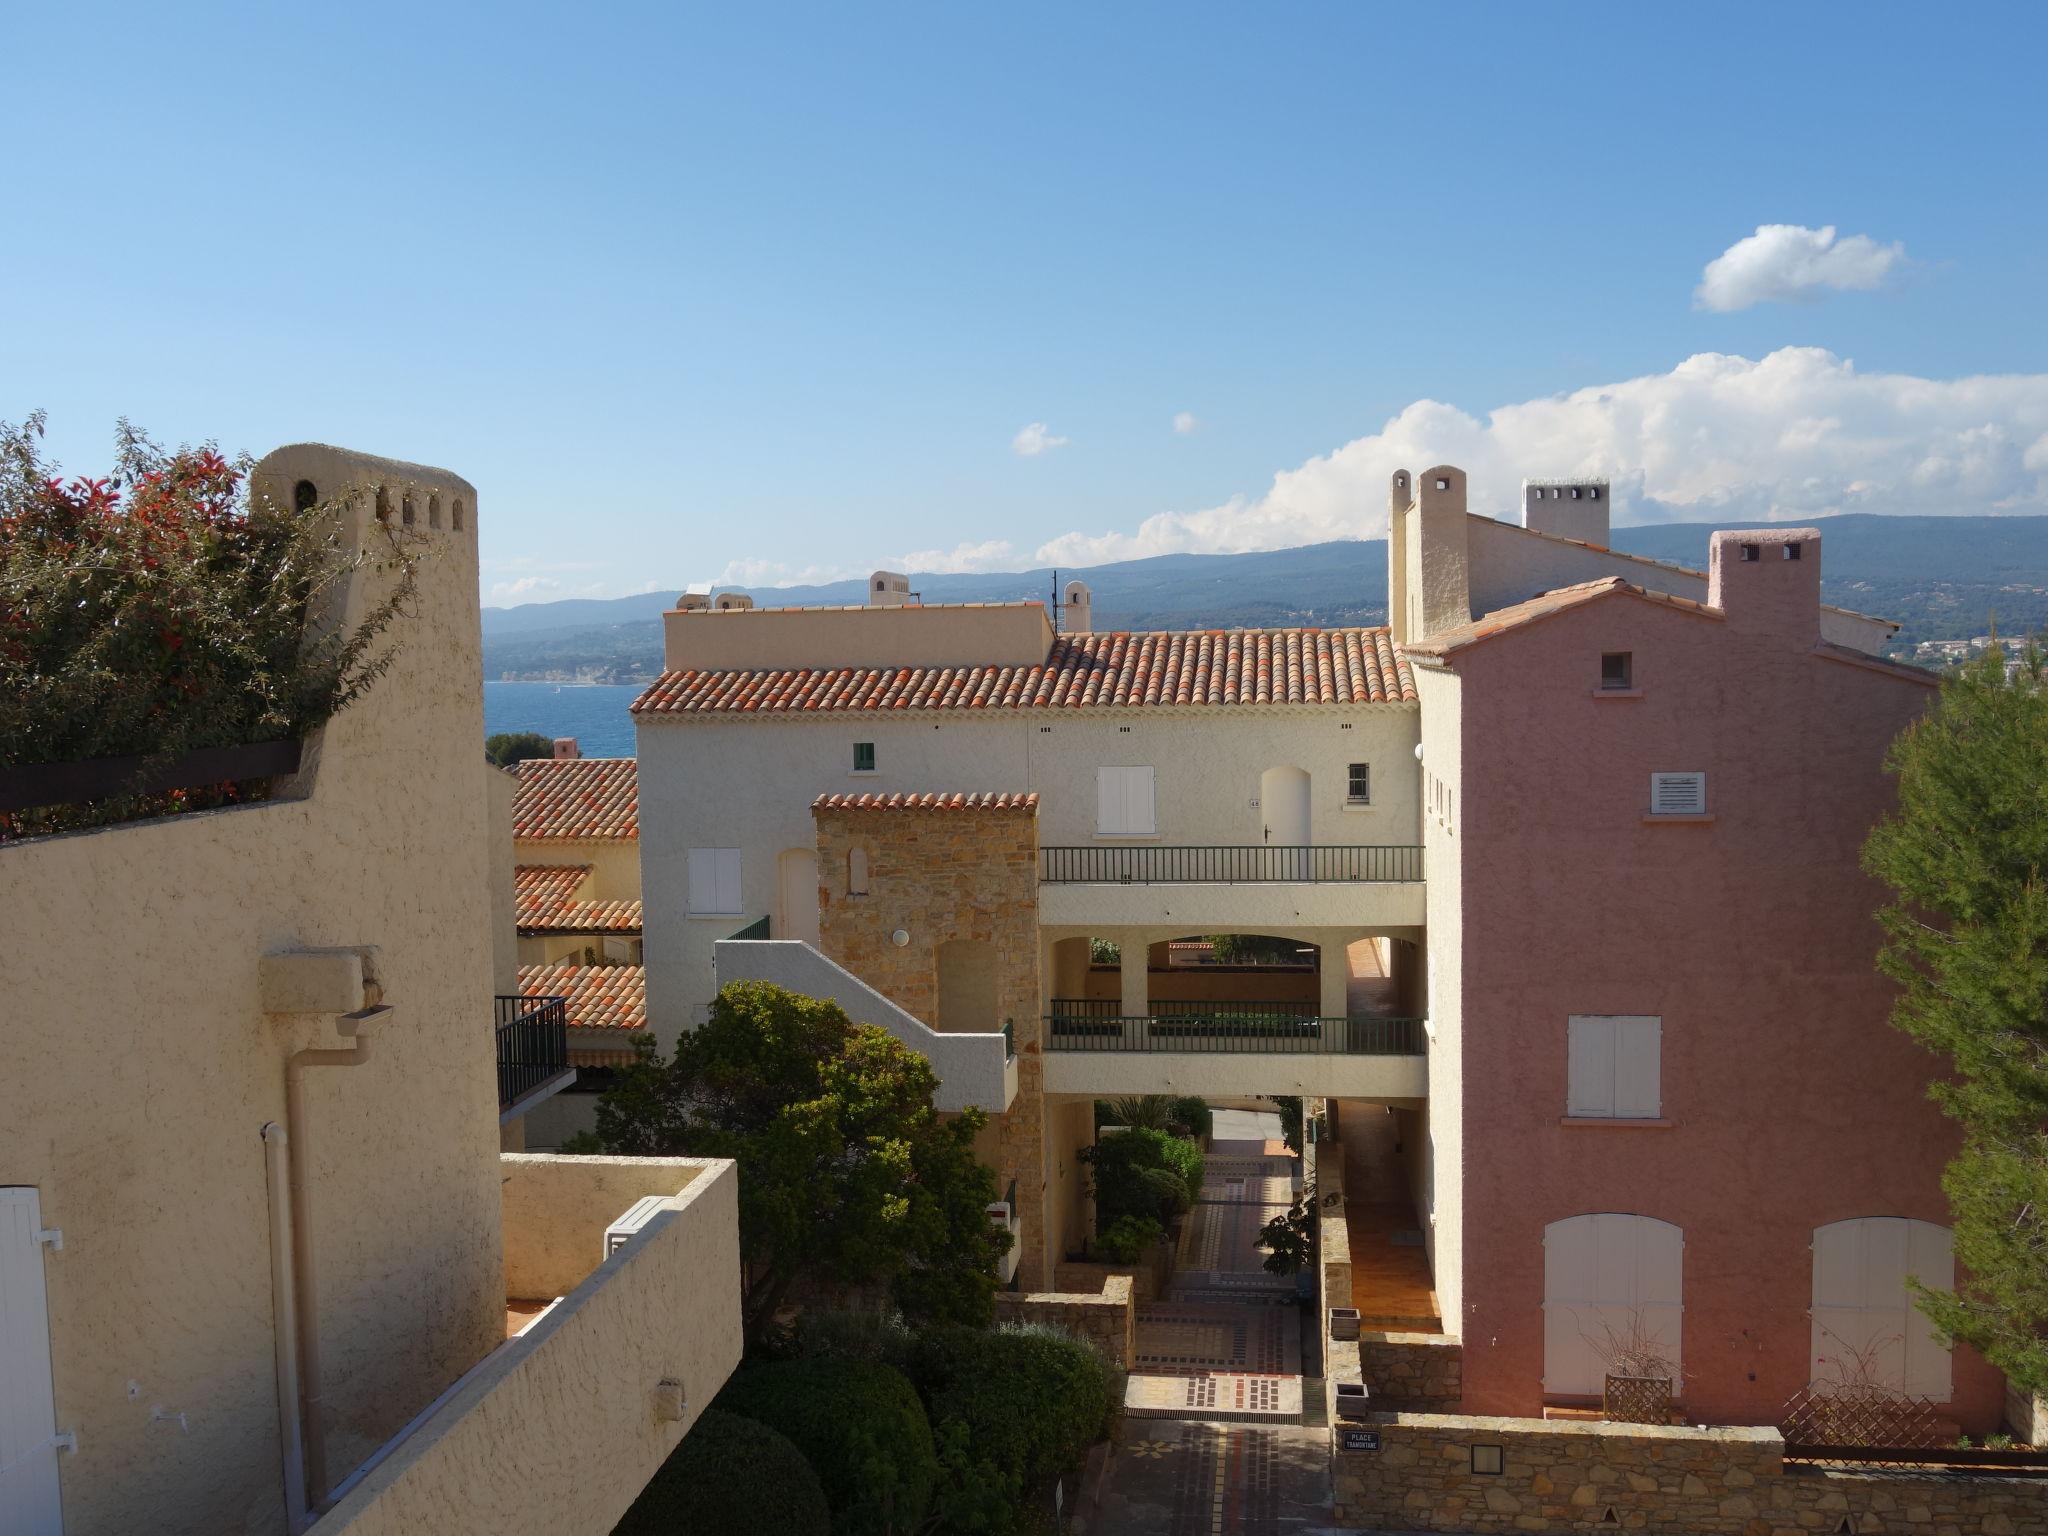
(1108, 1319)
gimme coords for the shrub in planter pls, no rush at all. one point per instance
(1130, 1238)
(1144, 1173)
(729, 1474)
(163, 610)
(861, 1428)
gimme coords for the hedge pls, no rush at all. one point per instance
(860, 1426)
(730, 1474)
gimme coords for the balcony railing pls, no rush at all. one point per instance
(1078, 1008)
(1253, 864)
(533, 1045)
(1250, 1033)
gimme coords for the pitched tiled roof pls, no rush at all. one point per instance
(1155, 669)
(1516, 615)
(1026, 802)
(547, 903)
(540, 888)
(612, 997)
(596, 797)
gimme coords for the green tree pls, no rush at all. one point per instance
(1966, 936)
(848, 1176)
(508, 747)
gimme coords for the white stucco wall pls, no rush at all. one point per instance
(749, 784)
(141, 1069)
(1440, 1157)
(557, 1432)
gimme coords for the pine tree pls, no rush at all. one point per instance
(1966, 856)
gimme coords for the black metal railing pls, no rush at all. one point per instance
(1253, 864)
(533, 1045)
(759, 928)
(1260, 1033)
(1009, 1039)
(1177, 1008)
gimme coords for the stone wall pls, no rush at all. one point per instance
(943, 875)
(1566, 1475)
(1108, 1318)
(1150, 1278)
(1410, 1372)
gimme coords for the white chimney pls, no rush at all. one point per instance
(1076, 610)
(1569, 509)
(566, 748)
(696, 596)
(728, 602)
(888, 589)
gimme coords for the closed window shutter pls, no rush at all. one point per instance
(1590, 1067)
(1865, 1325)
(1109, 801)
(29, 1492)
(1678, 794)
(1637, 1068)
(1930, 1259)
(715, 881)
(1608, 1275)
(1138, 812)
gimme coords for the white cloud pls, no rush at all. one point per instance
(778, 573)
(1785, 262)
(1797, 434)
(1185, 424)
(988, 555)
(1035, 439)
(527, 589)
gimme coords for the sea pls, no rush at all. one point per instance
(594, 713)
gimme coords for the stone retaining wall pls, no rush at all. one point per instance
(1411, 1372)
(1150, 1277)
(1108, 1318)
(1565, 1475)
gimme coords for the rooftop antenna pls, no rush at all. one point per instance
(1055, 599)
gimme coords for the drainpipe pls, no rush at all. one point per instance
(312, 1404)
(284, 1323)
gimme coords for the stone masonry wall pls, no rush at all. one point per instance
(1108, 1319)
(942, 874)
(1149, 1278)
(1564, 1476)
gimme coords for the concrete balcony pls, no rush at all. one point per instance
(977, 1069)
(1221, 1054)
(556, 1431)
(1231, 888)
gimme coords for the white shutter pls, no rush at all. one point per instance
(29, 1495)
(715, 881)
(1607, 1275)
(1138, 807)
(1123, 802)
(1678, 794)
(1571, 1366)
(1589, 1066)
(1638, 1049)
(1865, 1325)
(1109, 802)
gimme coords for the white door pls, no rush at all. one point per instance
(799, 916)
(1866, 1330)
(1609, 1281)
(1283, 824)
(28, 1408)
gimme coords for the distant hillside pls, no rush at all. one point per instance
(1940, 577)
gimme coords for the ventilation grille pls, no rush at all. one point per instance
(1678, 794)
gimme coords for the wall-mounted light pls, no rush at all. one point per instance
(900, 937)
(1487, 1460)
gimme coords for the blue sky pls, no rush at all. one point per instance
(773, 292)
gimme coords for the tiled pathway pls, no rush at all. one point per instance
(1213, 1440)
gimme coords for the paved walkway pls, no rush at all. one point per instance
(1213, 1441)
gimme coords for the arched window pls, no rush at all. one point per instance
(433, 511)
(383, 505)
(458, 514)
(1609, 1281)
(1866, 1330)
(305, 496)
(857, 872)
(405, 512)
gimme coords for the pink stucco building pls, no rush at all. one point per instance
(1665, 1099)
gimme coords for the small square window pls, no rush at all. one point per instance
(1488, 1460)
(1575, 493)
(863, 757)
(1617, 669)
(1792, 551)
(1443, 485)
(1593, 494)
(1358, 784)
(1752, 552)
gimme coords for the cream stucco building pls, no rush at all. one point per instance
(1559, 869)
(257, 1238)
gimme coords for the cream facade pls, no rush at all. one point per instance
(223, 1353)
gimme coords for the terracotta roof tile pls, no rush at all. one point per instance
(597, 797)
(611, 997)
(1516, 615)
(1025, 802)
(547, 903)
(1149, 669)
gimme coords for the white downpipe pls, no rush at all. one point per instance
(285, 1324)
(312, 1401)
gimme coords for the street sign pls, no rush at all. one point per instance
(1360, 1439)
